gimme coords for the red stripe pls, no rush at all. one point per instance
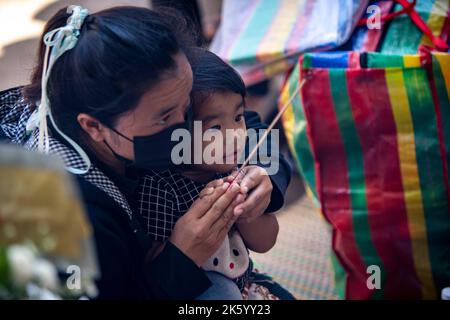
(389, 16)
(354, 60)
(418, 21)
(373, 36)
(371, 41)
(439, 43)
(328, 149)
(388, 218)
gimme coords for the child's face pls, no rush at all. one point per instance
(221, 113)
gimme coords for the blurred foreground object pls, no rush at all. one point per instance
(45, 238)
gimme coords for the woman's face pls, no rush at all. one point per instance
(163, 106)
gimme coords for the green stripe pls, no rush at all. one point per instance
(444, 103)
(302, 148)
(356, 177)
(378, 60)
(402, 35)
(437, 215)
(246, 47)
(307, 61)
(339, 276)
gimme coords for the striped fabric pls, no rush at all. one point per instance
(264, 37)
(364, 39)
(372, 140)
(403, 37)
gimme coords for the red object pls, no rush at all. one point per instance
(408, 8)
(329, 143)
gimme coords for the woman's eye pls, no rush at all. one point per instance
(163, 121)
(239, 117)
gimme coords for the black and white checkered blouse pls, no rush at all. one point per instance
(163, 197)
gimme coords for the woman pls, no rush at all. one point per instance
(115, 95)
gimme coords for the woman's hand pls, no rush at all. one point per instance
(200, 232)
(254, 182)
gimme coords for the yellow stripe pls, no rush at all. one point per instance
(288, 116)
(444, 62)
(274, 42)
(410, 178)
(275, 68)
(436, 20)
(411, 61)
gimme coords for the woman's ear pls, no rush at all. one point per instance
(94, 128)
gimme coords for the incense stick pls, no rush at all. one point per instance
(272, 124)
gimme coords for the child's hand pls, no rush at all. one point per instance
(257, 186)
(249, 215)
(261, 234)
(212, 185)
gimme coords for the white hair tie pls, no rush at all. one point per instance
(57, 42)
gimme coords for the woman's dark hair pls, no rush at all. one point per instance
(121, 53)
(212, 74)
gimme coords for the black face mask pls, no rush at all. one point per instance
(153, 152)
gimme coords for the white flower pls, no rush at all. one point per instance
(90, 288)
(35, 292)
(45, 274)
(21, 260)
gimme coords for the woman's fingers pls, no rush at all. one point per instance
(218, 208)
(224, 223)
(228, 223)
(204, 203)
(253, 177)
(258, 199)
(210, 187)
(236, 176)
(232, 175)
(215, 183)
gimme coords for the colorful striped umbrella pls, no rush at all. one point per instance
(264, 37)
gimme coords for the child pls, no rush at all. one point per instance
(218, 98)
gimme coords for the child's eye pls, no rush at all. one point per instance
(218, 127)
(239, 117)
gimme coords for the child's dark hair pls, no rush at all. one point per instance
(212, 74)
(121, 53)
